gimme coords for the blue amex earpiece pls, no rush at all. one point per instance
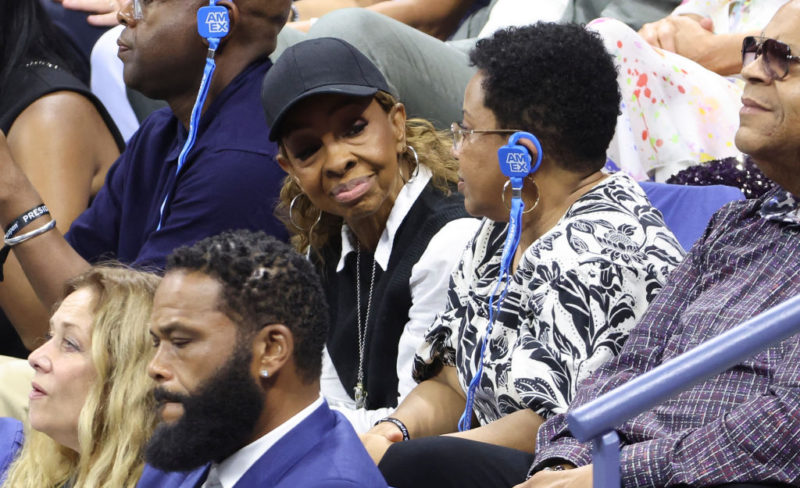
(515, 159)
(213, 23)
(515, 162)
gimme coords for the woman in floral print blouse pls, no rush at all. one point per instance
(593, 253)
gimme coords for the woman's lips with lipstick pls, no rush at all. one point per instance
(352, 190)
(36, 392)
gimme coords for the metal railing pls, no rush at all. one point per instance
(597, 419)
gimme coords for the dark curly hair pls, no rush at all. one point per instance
(556, 81)
(264, 281)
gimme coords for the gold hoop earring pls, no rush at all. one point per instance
(503, 195)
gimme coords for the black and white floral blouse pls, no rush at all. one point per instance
(576, 293)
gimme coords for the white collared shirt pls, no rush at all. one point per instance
(429, 280)
(236, 465)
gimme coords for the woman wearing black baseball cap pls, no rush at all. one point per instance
(370, 197)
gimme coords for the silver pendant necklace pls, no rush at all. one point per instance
(359, 393)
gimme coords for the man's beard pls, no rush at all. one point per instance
(217, 420)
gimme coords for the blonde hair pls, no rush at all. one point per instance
(432, 147)
(118, 415)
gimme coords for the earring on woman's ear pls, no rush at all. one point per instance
(310, 230)
(264, 373)
(292, 220)
(535, 203)
(415, 171)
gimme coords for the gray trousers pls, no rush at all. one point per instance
(429, 76)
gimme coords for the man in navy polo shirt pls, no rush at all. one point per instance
(229, 179)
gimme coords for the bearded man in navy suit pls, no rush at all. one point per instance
(239, 322)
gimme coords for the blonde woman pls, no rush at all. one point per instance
(371, 194)
(90, 408)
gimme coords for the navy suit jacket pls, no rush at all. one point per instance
(11, 439)
(323, 451)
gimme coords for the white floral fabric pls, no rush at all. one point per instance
(576, 293)
(674, 112)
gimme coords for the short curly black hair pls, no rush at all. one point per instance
(264, 281)
(556, 81)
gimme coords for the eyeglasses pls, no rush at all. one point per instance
(775, 55)
(459, 133)
(137, 9)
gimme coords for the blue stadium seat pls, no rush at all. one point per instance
(687, 209)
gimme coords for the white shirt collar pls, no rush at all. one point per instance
(402, 205)
(236, 465)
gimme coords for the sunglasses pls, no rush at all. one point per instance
(775, 55)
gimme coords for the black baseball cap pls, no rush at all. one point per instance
(314, 66)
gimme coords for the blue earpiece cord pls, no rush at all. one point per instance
(515, 163)
(194, 121)
(509, 250)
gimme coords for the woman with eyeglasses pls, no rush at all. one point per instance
(525, 324)
(680, 98)
(370, 196)
(90, 405)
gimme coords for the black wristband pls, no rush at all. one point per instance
(399, 423)
(25, 219)
(17, 225)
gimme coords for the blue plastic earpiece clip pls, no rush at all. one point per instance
(213, 22)
(515, 159)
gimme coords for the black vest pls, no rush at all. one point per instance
(391, 297)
